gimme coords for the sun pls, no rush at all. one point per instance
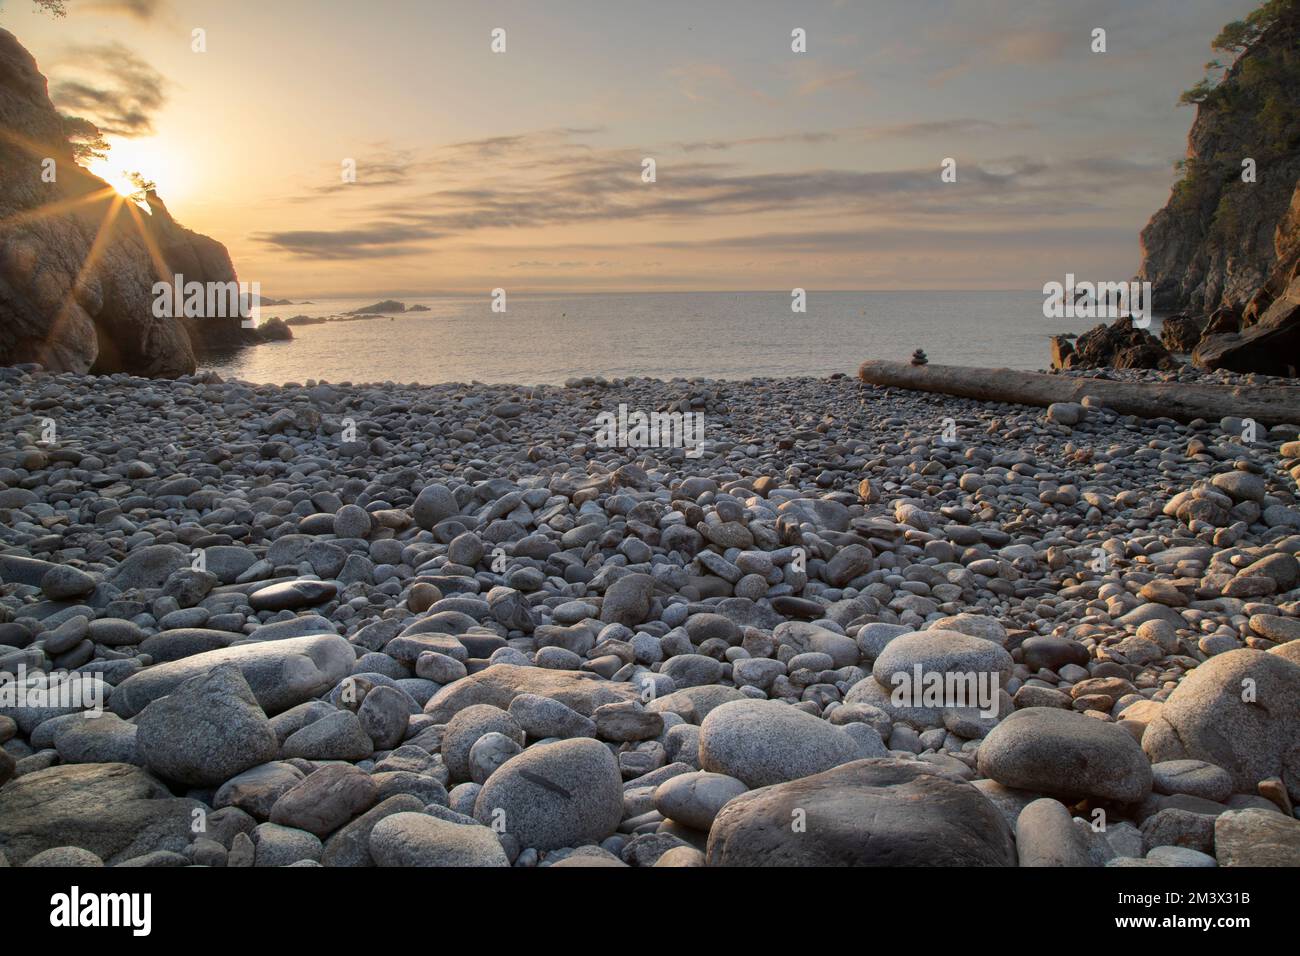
(113, 174)
(132, 161)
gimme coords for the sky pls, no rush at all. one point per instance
(526, 169)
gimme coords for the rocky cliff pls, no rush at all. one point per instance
(1220, 239)
(78, 264)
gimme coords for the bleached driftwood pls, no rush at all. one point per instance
(1266, 404)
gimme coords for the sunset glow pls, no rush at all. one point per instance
(771, 165)
(131, 161)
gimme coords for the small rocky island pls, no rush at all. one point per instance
(389, 307)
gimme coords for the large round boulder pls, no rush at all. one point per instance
(465, 729)
(882, 812)
(695, 799)
(918, 678)
(974, 625)
(206, 731)
(417, 839)
(1239, 711)
(499, 684)
(434, 503)
(942, 652)
(1256, 837)
(762, 742)
(1065, 754)
(115, 811)
(563, 794)
(282, 674)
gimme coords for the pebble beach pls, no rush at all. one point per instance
(446, 625)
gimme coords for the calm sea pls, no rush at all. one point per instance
(544, 339)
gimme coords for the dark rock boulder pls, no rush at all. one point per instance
(275, 330)
(1147, 355)
(879, 812)
(1062, 349)
(1118, 345)
(1270, 346)
(1181, 332)
(115, 810)
(1224, 320)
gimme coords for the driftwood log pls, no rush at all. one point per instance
(1266, 404)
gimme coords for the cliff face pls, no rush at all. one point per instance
(76, 265)
(1218, 241)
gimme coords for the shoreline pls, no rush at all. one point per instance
(1186, 373)
(728, 337)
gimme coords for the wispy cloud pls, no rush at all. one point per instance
(510, 183)
(377, 240)
(379, 170)
(116, 90)
(964, 127)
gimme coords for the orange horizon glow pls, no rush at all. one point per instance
(523, 170)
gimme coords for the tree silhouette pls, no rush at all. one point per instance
(87, 143)
(1236, 38)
